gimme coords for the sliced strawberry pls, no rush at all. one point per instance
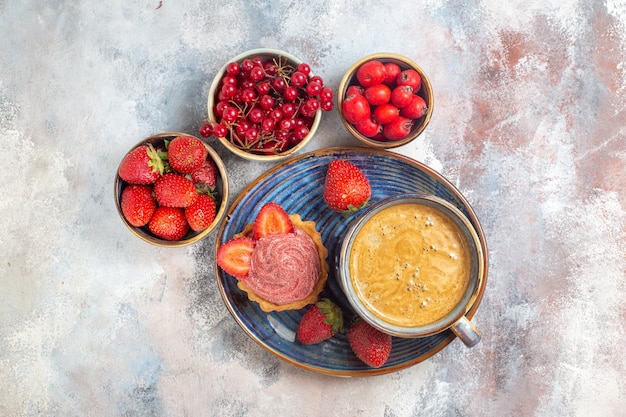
(234, 256)
(272, 219)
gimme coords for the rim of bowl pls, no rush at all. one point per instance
(211, 104)
(426, 87)
(142, 232)
(471, 294)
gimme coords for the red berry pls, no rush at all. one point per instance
(320, 322)
(371, 73)
(304, 68)
(368, 127)
(415, 109)
(398, 128)
(205, 174)
(174, 190)
(142, 165)
(206, 130)
(386, 113)
(355, 108)
(234, 256)
(272, 219)
(138, 204)
(370, 345)
(401, 96)
(201, 214)
(169, 223)
(346, 188)
(392, 69)
(377, 94)
(410, 77)
(186, 153)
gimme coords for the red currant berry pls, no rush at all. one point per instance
(257, 73)
(313, 88)
(312, 105)
(256, 115)
(298, 79)
(229, 90)
(263, 88)
(266, 102)
(229, 79)
(268, 124)
(289, 109)
(247, 65)
(219, 107)
(276, 114)
(317, 79)
(304, 68)
(270, 68)
(233, 68)
(251, 134)
(286, 124)
(220, 130)
(248, 95)
(327, 105)
(248, 83)
(206, 130)
(290, 93)
(230, 114)
(326, 94)
(300, 132)
(279, 84)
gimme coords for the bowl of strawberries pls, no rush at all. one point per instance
(385, 100)
(171, 189)
(265, 105)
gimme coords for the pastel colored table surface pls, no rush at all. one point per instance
(528, 126)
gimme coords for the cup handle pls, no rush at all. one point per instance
(466, 331)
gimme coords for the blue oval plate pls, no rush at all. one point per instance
(297, 184)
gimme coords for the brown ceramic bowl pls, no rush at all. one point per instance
(229, 141)
(425, 91)
(143, 232)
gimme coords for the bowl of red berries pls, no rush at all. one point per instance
(265, 105)
(171, 189)
(385, 100)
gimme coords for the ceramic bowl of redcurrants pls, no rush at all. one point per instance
(171, 189)
(265, 105)
(385, 100)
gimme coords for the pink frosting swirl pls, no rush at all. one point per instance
(284, 268)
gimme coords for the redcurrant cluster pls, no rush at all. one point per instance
(267, 106)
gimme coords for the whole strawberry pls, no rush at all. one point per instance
(346, 188)
(169, 223)
(370, 345)
(138, 204)
(174, 190)
(205, 176)
(142, 165)
(201, 214)
(320, 322)
(186, 153)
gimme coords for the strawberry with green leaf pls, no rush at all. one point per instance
(346, 188)
(320, 322)
(143, 165)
